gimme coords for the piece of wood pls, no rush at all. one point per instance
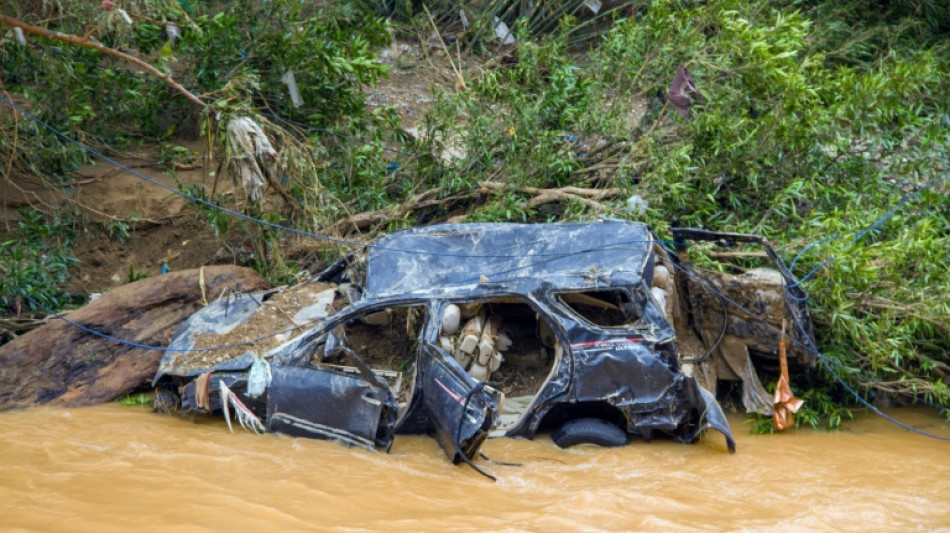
(588, 197)
(60, 364)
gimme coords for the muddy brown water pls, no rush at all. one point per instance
(115, 468)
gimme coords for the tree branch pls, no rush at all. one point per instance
(73, 39)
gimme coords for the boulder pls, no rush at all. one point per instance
(61, 364)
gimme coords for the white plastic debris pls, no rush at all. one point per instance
(468, 340)
(291, 82)
(660, 296)
(250, 149)
(125, 16)
(503, 32)
(18, 34)
(661, 277)
(242, 414)
(258, 379)
(495, 362)
(478, 372)
(173, 32)
(593, 5)
(445, 343)
(637, 205)
(503, 342)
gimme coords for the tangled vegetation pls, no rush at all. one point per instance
(810, 121)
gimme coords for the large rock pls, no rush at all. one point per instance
(60, 364)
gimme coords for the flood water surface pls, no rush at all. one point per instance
(114, 468)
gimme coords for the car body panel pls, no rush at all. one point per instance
(632, 369)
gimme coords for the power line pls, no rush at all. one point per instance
(348, 242)
(289, 229)
(810, 348)
(877, 223)
(153, 347)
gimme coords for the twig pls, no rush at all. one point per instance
(726, 255)
(73, 39)
(457, 71)
(588, 197)
(368, 219)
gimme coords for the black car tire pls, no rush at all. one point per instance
(589, 431)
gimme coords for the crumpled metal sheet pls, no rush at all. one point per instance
(444, 257)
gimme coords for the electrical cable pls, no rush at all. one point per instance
(821, 357)
(308, 127)
(154, 347)
(289, 229)
(148, 79)
(877, 223)
(348, 242)
(722, 331)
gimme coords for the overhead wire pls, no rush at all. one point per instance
(810, 348)
(877, 224)
(153, 347)
(826, 361)
(249, 218)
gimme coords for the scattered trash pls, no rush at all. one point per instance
(252, 155)
(259, 377)
(125, 16)
(636, 205)
(593, 5)
(242, 414)
(18, 35)
(291, 82)
(785, 403)
(173, 32)
(502, 32)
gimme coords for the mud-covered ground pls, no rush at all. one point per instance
(133, 227)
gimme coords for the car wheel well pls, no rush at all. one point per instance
(565, 412)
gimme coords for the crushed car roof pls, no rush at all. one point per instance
(431, 259)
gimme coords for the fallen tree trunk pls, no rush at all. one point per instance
(61, 364)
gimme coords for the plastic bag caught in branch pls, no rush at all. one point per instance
(252, 155)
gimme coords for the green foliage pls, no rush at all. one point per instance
(327, 48)
(135, 276)
(138, 399)
(815, 118)
(34, 266)
(216, 219)
(800, 135)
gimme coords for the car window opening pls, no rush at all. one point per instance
(387, 341)
(503, 342)
(605, 308)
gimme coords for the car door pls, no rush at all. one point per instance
(352, 380)
(462, 411)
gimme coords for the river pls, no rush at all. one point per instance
(113, 468)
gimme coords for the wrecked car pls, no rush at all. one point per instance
(462, 332)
